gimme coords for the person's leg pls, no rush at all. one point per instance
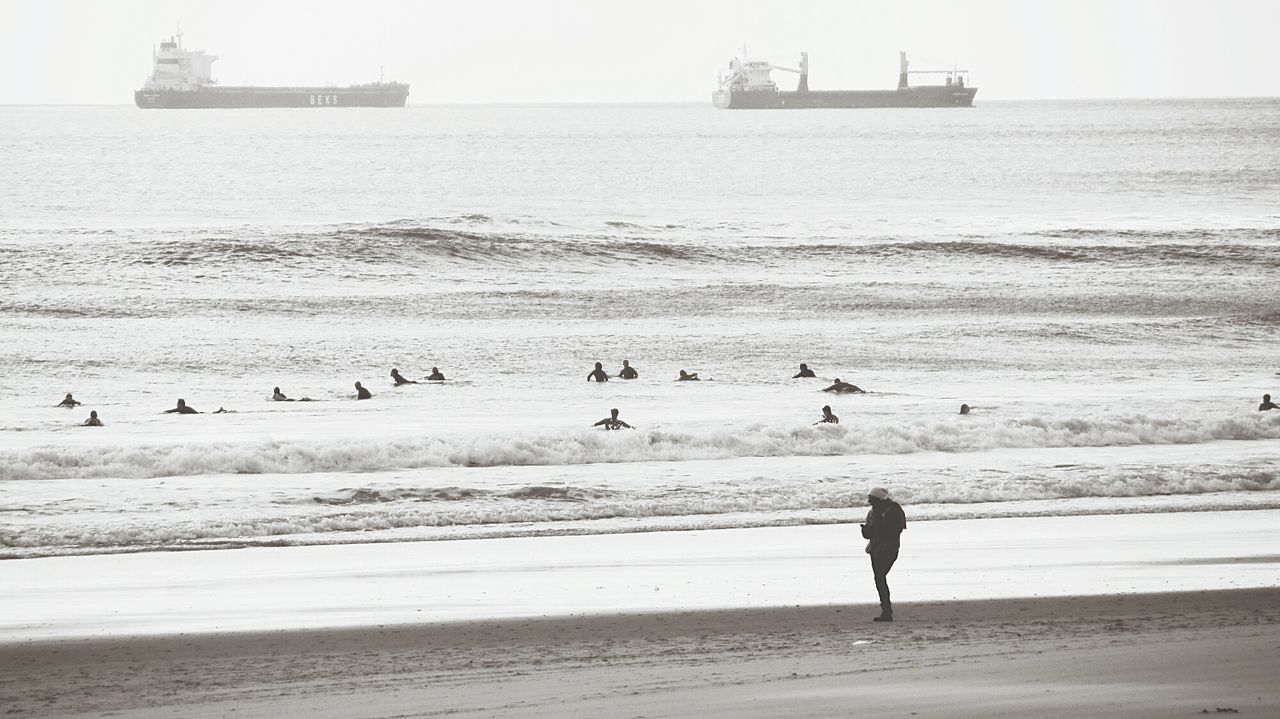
(881, 563)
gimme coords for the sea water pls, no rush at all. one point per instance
(1098, 280)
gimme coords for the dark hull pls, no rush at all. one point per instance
(926, 96)
(383, 95)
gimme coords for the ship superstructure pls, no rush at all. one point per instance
(183, 79)
(748, 85)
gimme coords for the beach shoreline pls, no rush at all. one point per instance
(1134, 655)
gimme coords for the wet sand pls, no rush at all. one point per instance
(1134, 655)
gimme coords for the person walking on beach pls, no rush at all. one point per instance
(628, 372)
(436, 375)
(612, 422)
(182, 408)
(882, 530)
(93, 420)
(399, 380)
(1266, 403)
(598, 374)
(362, 393)
(827, 417)
(70, 401)
(804, 372)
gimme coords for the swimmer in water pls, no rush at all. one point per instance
(362, 393)
(804, 372)
(395, 376)
(688, 377)
(964, 409)
(612, 422)
(827, 417)
(840, 387)
(1266, 403)
(182, 408)
(436, 375)
(93, 420)
(68, 401)
(598, 374)
(628, 372)
(278, 396)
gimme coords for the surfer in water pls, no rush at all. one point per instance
(436, 375)
(804, 372)
(362, 393)
(688, 377)
(395, 376)
(182, 408)
(1266, 403)
(964, 409)
(93, 420)
(598, 374)
(278, 396)
(612, 422)
(628, 372)
(840, 387)
(827, 417)
(69, 401)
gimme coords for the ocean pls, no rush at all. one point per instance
(1098, 280)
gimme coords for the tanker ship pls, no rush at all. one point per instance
(183, 79)
(747, 86)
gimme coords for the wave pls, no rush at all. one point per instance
(359, 514)
(656, 445)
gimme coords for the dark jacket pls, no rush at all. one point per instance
(884, 524)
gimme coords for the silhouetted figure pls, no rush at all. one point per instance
(182, 408)
(93, 420)
(628, 372)
(224, 410)
(804, 372)
(395, 377)
(688, 377)
(436, 375)
(883, 527)
(827, 417)
(69, 401)
(598, 374)
(612, 421)
(1266, 403)
(278, 396)
(964, 409)
(362, 393)
(840, 387)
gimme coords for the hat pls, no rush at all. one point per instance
(879, 493)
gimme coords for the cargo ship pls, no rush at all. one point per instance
(748, 86)
(183, 79)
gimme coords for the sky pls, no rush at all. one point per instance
(495, 51)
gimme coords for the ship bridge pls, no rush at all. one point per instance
(175, 68)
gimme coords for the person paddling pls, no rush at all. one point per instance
(612, 422)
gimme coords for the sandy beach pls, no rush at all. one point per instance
(1004, 617)
(1147, 655)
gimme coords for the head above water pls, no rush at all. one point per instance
(93, 413)
(826, 409)
(879, 494)
(1265, 397)
(804, 366)
(614, 413)
(599, 366)
(182, 402)
(394, 371)
(964, 409)
(358, 386)
(68, 396)
(626, 363)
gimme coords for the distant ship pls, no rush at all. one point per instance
(747, 86)
(183, 79)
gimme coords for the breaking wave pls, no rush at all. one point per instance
(586, 447)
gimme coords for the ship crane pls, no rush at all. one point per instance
(802, 71)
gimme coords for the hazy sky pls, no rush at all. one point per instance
(91, 51)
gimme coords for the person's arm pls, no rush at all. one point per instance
(601, 423)
(624, 424)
